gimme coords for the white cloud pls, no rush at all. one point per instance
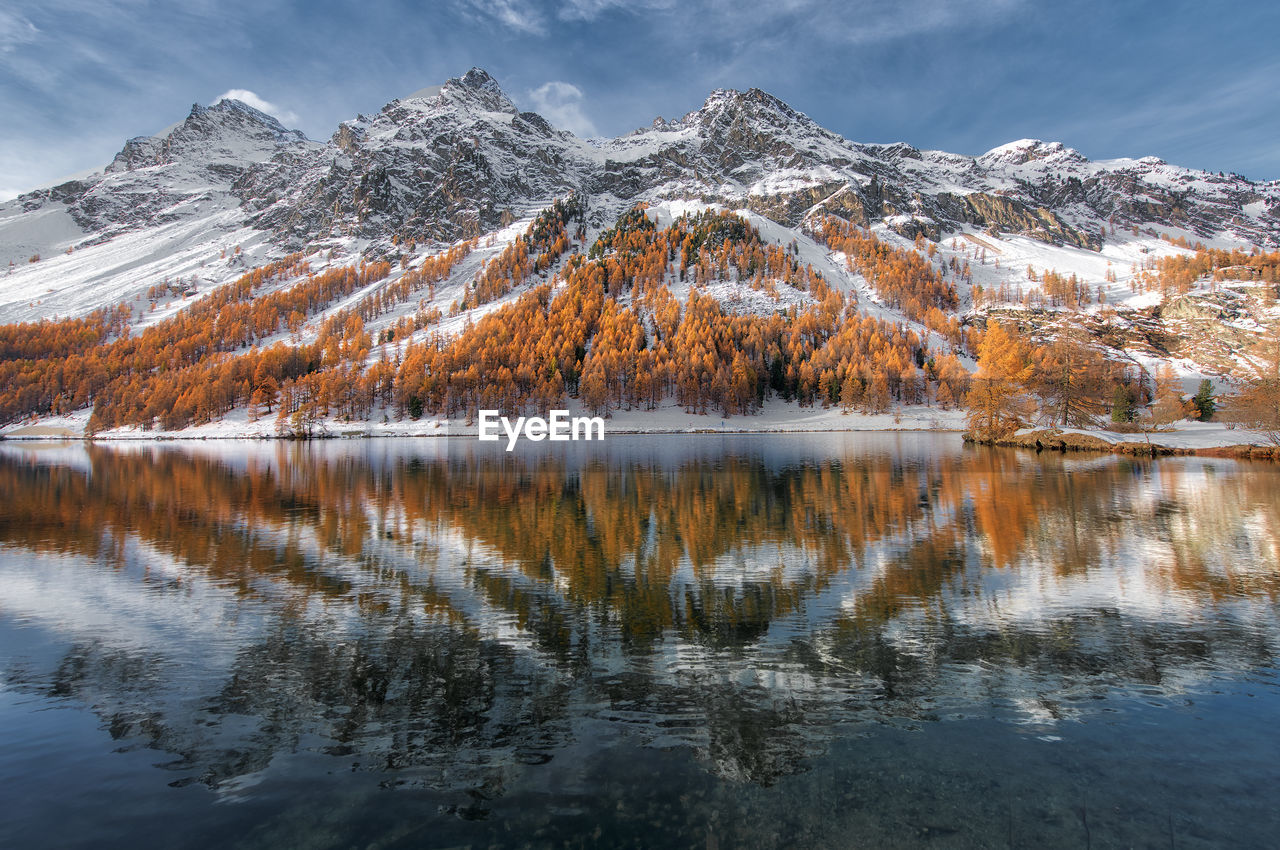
(561, 104)
(516, 14)
(886, 20)
(846, 23)
(286, 117)
(589, 10)
(15, 29)
(719, 21)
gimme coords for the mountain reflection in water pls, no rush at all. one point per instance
(450, 618)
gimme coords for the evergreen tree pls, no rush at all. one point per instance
(1204, 401)
(1123, 404)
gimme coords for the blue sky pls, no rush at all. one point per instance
(1195, 83)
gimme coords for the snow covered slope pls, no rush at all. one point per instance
(460, 160)
(440, 164)
(163, 208)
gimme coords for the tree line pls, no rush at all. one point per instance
(606, 327)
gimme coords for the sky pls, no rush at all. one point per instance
(1193, 83)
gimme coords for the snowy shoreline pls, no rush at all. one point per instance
(777, 417)
(1213, 439)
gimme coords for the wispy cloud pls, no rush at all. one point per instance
(561, 103)
(827, 21)
(521, 16)
(61, 46)
(1199, 123)
(245, 96)
(15, 29)
(589, 10)
(875, 21)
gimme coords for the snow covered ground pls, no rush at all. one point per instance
(203, 240)
(669, 418)
(777, 416)
(1186, 434)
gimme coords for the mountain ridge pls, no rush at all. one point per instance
(484, 157)
(449, 204)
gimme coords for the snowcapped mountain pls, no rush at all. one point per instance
(161, 178)
(164, 205)
(461, 160)
(439, 164)
(751, 149)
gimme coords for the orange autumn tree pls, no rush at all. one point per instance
(1257, 405)
(1169, 406)
(1072, 381)
(996, 400)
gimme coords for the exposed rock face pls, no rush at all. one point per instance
(155, 180)
(750, 149)
(441, 165)
(460, 159)
(1009, 215)
(226, 138)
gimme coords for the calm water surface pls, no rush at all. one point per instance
(773, 641)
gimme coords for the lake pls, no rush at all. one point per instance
(839, 640)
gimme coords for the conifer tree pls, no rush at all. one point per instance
(996, 403)
(1206, 404)
(1168, 407)
(1123, 405)
(1257, 406)
(1069, 379)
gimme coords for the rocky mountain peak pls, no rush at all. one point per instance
(230, 133)
(726, 106)
(476, 86)
(229, 110)
(431, 111)
(1030, 150)
(476, 78)
(460, 159)
(737, 127)
(441, 163)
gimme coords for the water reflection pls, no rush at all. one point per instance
(445, 617)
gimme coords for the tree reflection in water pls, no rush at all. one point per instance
(446, 615)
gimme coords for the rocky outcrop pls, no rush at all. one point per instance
(460, 159)
(1052, 439)
(440, 166)
(1008, 215)
(185, 172)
